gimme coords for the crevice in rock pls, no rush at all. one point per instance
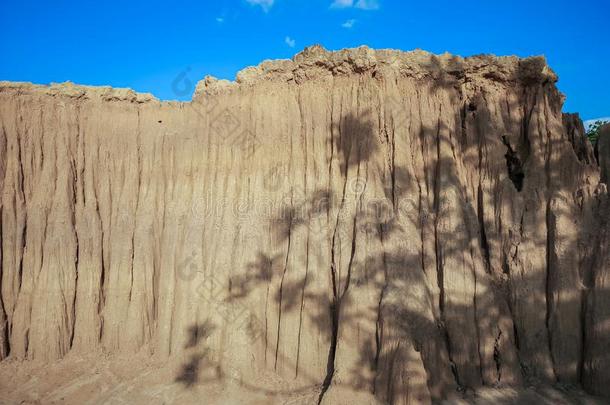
(438, 250)
(464, 126)
(549, 284)
(514, 165)
(483, 234)
(103, 263)
(391, 161)
(279, 318)
(338, 295)
(137, 202)
(379, 332)
(5, 349)
(476, 317)
(302, 306)
(24, 232)
(335, 307)
(497, 355)
(437, 247)
(379, 321)
(75, 234)
(505, 267)
(551, 256)
(524, 149)
(452, 364)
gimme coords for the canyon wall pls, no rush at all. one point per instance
(396, 224)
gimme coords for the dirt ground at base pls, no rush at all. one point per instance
(139, 379)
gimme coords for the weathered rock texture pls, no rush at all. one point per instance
(603, 153)
(402, 225)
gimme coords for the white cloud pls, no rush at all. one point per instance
(589, 123)
(342, 3)
(349, 23)
(265, 4)
(220, 20)
(290, 42)
(361, 4)
(367, 4)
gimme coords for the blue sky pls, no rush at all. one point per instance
(146, 45)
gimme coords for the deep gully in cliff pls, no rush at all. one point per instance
(438, 250)
(551, 258)
(335, 305)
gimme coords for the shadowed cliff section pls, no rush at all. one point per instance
(603, 152)
(366, 224)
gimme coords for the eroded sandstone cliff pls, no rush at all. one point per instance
(395, 224)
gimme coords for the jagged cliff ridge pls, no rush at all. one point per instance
(398, 225)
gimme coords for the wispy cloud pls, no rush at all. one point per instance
(342, 3)
(220, 20)
(361, 4)
(589, 123)
(349, 23)
(290, 42)
(264, 4)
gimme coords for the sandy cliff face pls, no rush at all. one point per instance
(401, 225)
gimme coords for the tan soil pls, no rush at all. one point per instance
(349, 226)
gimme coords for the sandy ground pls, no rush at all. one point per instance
(140, 380)
(137, 380)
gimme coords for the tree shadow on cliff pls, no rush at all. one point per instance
(354, 139)
(383, 223)
(189, 373)
(259, 271)
(496, 283)
(200, 358)
(198, 332)
(424, 334)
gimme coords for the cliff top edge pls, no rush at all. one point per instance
(316, 62)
